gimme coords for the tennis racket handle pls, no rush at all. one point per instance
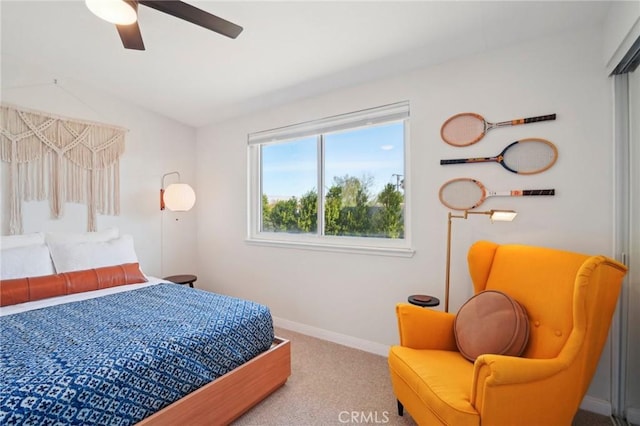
(535, 119)
(538, 192)
(467, 160)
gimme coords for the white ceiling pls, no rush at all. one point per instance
(287, 51)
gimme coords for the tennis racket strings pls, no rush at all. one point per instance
(529, 158)
(462, 194)
(463, 129)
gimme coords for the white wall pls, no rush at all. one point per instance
(353, 295)
(154, 145)
(621, 30)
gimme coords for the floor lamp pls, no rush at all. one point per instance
(494, 215)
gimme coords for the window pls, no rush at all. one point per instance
(335, 183)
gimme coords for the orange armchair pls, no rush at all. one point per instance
(570, 299)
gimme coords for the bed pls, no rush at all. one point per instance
(90, 347)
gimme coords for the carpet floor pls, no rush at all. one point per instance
(331, 384)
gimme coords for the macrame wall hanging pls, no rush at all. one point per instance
(62, 160)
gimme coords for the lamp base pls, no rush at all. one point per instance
(423, 300)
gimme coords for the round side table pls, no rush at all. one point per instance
(423, 300)
(182, 279)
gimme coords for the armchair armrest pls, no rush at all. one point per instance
(500, 381)
(422, 328)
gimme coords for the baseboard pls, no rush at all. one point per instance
(633, 416)
(331, 336)
(596, 405)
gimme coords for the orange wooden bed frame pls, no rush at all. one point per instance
(229, 396)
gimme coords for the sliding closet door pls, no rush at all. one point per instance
(632, 387)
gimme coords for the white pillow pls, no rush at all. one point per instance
(27, 261)
(72, 256)
(82, 237)
(11, 241)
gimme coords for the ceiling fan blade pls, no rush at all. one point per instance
(131, 36)
(194, 15)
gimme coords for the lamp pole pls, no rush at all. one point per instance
(499, 215)
(447, 275)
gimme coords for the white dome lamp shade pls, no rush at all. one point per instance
(179, 197)
(119, 12)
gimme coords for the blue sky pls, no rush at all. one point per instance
(290, 169)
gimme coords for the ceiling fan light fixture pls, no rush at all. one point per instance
(120, 12)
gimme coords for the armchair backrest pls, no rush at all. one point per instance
(569, 297)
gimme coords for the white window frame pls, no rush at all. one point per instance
(363, 245)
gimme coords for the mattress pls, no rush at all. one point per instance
(120, 357)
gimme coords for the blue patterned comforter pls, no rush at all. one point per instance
(118, 359)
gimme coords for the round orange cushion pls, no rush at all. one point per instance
(491, 322)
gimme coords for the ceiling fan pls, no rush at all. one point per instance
(124, 13)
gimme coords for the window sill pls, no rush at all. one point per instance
(338, 248)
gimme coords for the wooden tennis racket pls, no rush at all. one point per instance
(468, 128)
(525, 157)
(467, 193)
